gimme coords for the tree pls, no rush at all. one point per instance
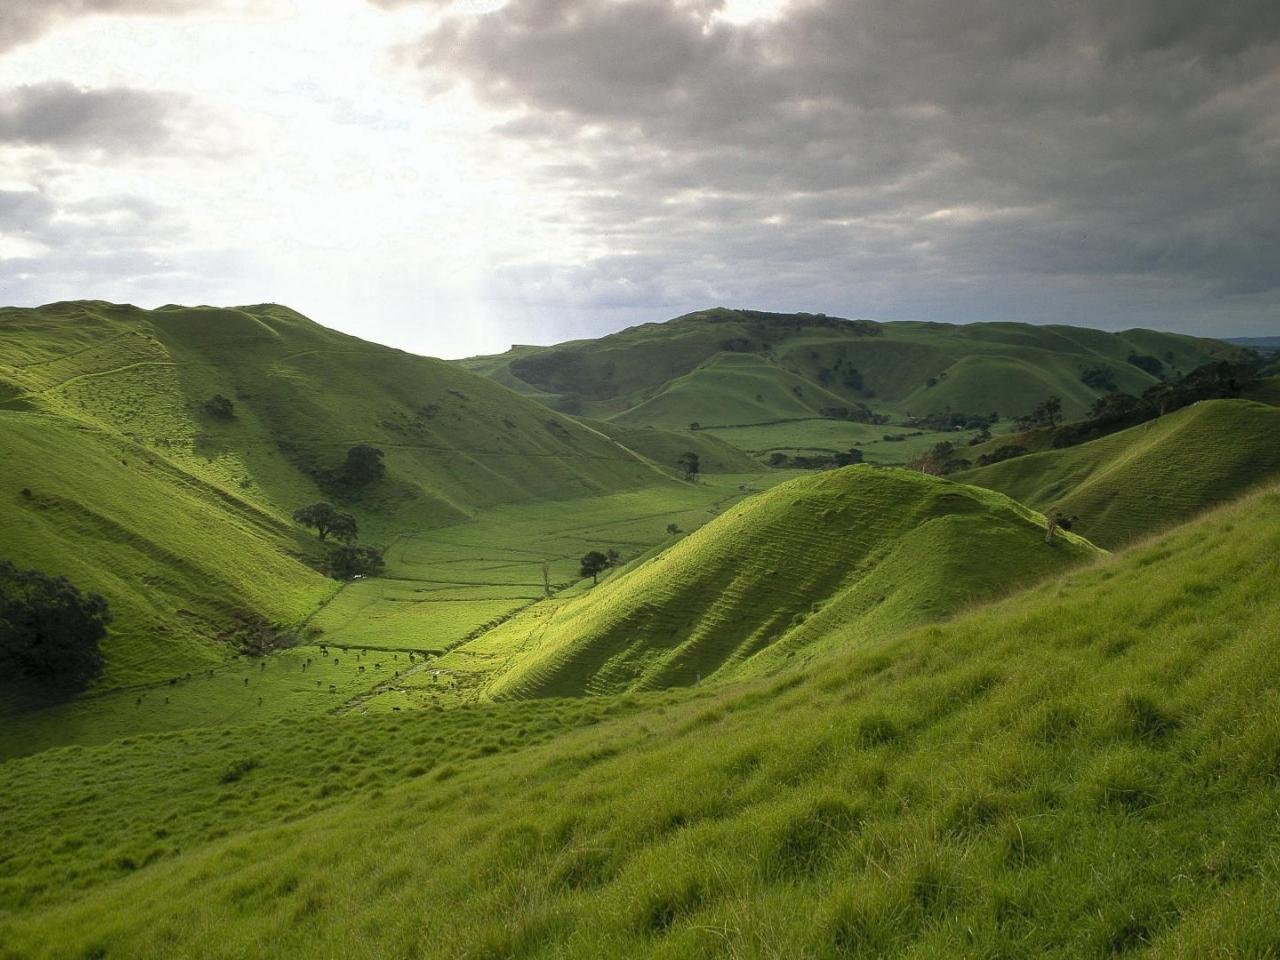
(327, 521)
(1146, 362)
(49, 630)
(592, 564)
(854, 455)
(673, 528)
(614, 558)
(939, 460)
(688, 463)
(1115, 408)
(349, 561)
(363, 466)
(219, 407)
(1047, 414)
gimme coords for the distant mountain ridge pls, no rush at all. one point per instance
(724, 367)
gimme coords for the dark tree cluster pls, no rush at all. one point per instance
(220, 407)
(940, 460)
(1100, 378)
(1006, 452)
(1147, 363)
(345, 559)
(689, 465)
(49, 629)
(842, 458)
(1116, 411)
(1048, 413)
(348, 561)
(954, 420)
(362, 467)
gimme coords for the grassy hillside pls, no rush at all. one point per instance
(665, 447)
(732, 367)
(1151, 476)
(1084, 770)
(181, 517)
(845, 556)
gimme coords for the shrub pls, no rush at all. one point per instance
(219, 407)
(349, 561)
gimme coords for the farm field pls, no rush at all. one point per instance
(441, 588)
(812, 437)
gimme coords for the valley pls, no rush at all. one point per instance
(806, 701)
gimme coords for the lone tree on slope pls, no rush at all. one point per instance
(592, 564)
(688, 463)
(327, 521)
(49, 630)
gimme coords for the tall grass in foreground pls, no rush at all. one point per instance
(1088, 769)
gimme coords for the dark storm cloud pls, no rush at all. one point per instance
(23, 20)
(61, 115)
(904, 145)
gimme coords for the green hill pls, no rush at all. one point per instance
(730, 367)
(841, 557)
(115, 473)
(1086, 769)
(1135, 482)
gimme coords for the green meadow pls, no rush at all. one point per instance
(861, 712)
(1085, 769)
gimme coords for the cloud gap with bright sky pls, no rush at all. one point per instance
(452, 178)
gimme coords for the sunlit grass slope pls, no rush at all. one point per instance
(841, 557)
(742, 366)
(181, 519)
(1151, 476)
(180, 559)
(1087, 769)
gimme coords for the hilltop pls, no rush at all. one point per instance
(1151, 476)
(842, 557)
(120, 469)
(1084, 769)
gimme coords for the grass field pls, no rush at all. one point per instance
(1149, 477)
(819, 436)
(114, 473)
(1085, 769)
(857, 713)
(442, 587)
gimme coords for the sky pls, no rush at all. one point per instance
(455, 177)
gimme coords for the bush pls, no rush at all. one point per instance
(49, 630)
(1006, 452)
(349, 561)
(219, 407)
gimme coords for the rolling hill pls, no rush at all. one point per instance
(1141, 480)
(117, 471)
(1088, 768)
(732, 367)
(841, 557)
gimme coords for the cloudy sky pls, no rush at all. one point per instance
(453, 177)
